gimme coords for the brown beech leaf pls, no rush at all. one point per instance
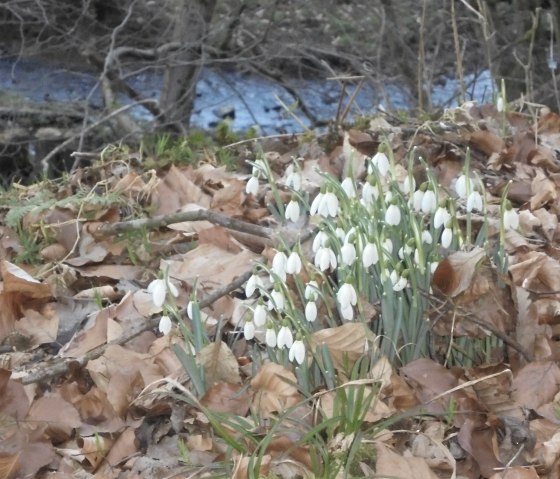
(516, 472)
(455, 273)
(536, 384)
(17, 280)
(219, 364)
(391, 464)
(481, 443)
(227, 397)
(275, 390)
(345, 343)
(60, 417)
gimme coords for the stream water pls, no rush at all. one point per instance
(252, 99)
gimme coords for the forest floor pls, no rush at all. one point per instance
(152, 327)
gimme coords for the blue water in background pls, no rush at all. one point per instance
(251, 97)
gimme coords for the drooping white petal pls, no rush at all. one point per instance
(474, 201)
(348, 254)
(259, 315)
(417, 199)
(446, 237)
(461, 186)
(311, 311)
(370, 193)
(311, 290)
(441, 217)
(293, 266)
(285, 339)
(253, 283)
(381, 161)
(249, 330)
(370, 255)
(270, 338)
(429, 202)
(165, 325)
(347, 313)
(427, 237)
(320, 239)
(279, 263)
(331, 204)
(400, 284)
(292, 211)
(511, 219)
(348, 187)
(314, 208)
(393, 215)
(346, 295)
(297, 351)
(252, 187)
(408, 185)
(159, 291)
(276, 301)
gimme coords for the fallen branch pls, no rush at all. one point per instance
(109, 229)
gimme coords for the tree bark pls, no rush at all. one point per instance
(192, 22)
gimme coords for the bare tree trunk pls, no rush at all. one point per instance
(192, 21)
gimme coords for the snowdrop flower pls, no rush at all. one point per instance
(314, 208)
(346, 295)
(381, 162)
(325, 259)
(461, 186)
(417, 198)
(441, 217)
(285, 338)
(259, 168)
(370, 255)
(292, 211)
(370, 193)
(348, 254)
(279, 264)
(393, 215)
(429, 202)
(311, 290)
(387, 246)
(293, 266)
(400, 284)
(270, 337)
(348, 187)
(500, 104)
(252, 187)
(329, 205)
(276, 301)
(311, 311)
(446, 237)
(297, 351)
(165, 325)
(427, 237)
(408, 185)
(340, 234)
(293, 178)
(474, 201)
(405, 250)
(511, 218)
(321, 239)
(159, 288)
(259, 315)
(249, 330)
(190, 310)
(253, 283)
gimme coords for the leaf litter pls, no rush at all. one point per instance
(88, 386)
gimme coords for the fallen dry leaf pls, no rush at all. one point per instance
(219, 364)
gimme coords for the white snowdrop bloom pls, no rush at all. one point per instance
(259, 168)
(320, 240)
(348, 254)
(474, 202)
(259, 315)
(370, 193)
(500, 104)
(293, 178)
(311, 290)
(405, 250)
(346, 295)
(292, 211)
(270, 337)
(340, 234)
(381, 161)
(400, 284)
(253, 283)
(279, 263)
(370, 255)
(158, 288)
(249, 330)
(416, 257)
(329, 205)
(293, 266)
(284, 339)
(276, 301)
(388, 196)
(429, 202)
(387, 246)
(311, 311)
(325, 259)
(314, 208)
(348, 187)
(393, 215)
(297, 351)
(441, 217)
(347, 313)
(461, 186)
(417, 198)
(433, 266)
(190, 310)
(165, 325)
(446, 237)
(252, 187)
(511, 219)
(408, 185)
(427, 237)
